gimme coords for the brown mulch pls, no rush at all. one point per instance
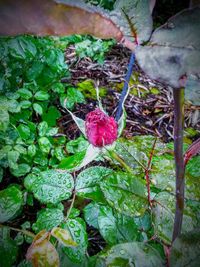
(150, 114)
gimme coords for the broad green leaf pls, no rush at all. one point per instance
(38, 108)
(41, 96)
(22, 169)
(125, 193)
(87, 182)
(114, 227)
(21, 48)
(13, 157)
(25, 93)
(185, 250)
(173, 51)
(44, 144)
(164, 210)
(41, 252)
(136, 254)
(77, 229)
(63, 236)
(8, 248)
(135, 17)
(11, 201)
(192, 167)
(25, 104)
(50, 186)
(47, 219)
(94, 21)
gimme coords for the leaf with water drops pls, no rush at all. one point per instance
(50, 186)
(125, 193)
(131, 254)
(87, 182)
(11, 201)
(41, 252)
(47, 219)
(77, 229)
(114, 227)
(164, 210)
(185, 250)
(63, 236)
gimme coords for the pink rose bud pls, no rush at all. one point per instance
(101, 129)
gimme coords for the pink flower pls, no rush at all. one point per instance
(101, 129)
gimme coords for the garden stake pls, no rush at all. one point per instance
(179, 162)
(125, 88)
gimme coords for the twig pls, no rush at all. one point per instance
(28, 233)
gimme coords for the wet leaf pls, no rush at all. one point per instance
(41, 252)
(41, 96)
(77, 145)
(125, 193)
(185, 250)
(77, 229)
(38, 108)
(71, 162)
(131, 254)
(11, 201)
(47, 219)
(50, 186)
(44, 144)
(87, 182)
(63, 236)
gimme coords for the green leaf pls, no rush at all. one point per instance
(192, 168)
(73, 161)
(51, 116)
(77, 145)
(41, 96)
(185, 250)
(24, 131)
(38, 109)
(77, 229)
(125, 193)
(8, 248)
(44, 144)
(42, 128)
(114, 227)
(11, 201)
(131, 254)
(4, 120)
(50, 186)
(13, 157)
(72, 97)
(22, 169)
(25, 93)
(31, 150)
(87, 182)
(63, 236)
(47, 219)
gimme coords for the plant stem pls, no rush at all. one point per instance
(26, 232)
(179, 161)
(115, 156)
(71, 205)
(125, 88)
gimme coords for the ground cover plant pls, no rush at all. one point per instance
(78, 186)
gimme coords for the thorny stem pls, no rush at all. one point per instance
(28, 233)
(125, 88)
(147, 172)
(179, 161)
